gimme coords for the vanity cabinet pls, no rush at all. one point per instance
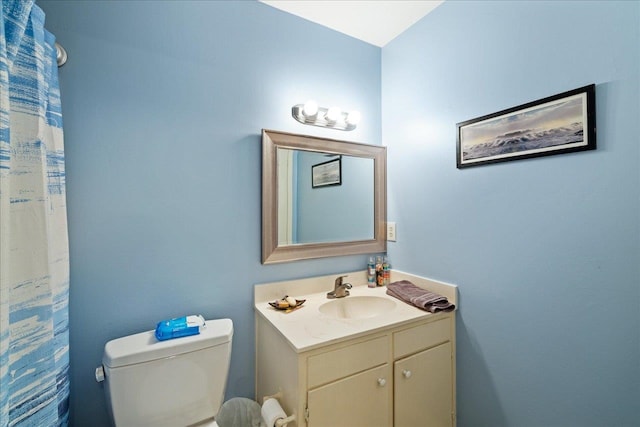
(423, 388)
(423, 375)
(350, 385)
(358, 400)
(401, 376)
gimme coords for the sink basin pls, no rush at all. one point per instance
(357, 307)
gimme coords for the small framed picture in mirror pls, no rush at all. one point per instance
(326, 173)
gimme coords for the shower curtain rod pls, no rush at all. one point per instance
(61, 55)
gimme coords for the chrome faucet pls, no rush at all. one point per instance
(340, 289)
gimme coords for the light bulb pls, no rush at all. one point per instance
(353, 118)
(310, 108)
(333, 114)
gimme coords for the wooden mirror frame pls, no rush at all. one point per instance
(271, 252)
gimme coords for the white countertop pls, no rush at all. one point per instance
(306, 328)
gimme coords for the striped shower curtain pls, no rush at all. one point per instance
(34, 255)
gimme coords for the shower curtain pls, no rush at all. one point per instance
(34, 255)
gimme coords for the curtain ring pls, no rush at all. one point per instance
(61, 55)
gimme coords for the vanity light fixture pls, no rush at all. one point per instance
(310, 113)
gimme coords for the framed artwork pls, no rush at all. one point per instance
(557, 124)
(326, 173)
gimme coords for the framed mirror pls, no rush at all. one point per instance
(321, 197)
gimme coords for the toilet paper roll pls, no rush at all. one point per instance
(272, 412)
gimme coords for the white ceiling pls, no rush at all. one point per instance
(373, 21)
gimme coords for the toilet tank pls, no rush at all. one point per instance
(170, 383)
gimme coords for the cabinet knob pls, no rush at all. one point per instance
(382, 382)
(406, 373)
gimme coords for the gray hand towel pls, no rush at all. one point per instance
(421, 298)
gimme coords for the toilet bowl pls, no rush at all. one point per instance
(178, 382)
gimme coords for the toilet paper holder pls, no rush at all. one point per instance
(283, 421)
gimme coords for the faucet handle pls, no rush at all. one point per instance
(339, 280)
(340, 290)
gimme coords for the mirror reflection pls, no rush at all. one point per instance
(321, 197)
(324, 197)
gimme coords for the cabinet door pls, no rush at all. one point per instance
(360, 400)
(423, 389)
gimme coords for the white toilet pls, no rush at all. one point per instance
(178, 382)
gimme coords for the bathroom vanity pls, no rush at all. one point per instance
(364, 360)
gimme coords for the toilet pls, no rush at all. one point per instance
(178, 382)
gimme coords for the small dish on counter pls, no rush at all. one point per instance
(279, 305)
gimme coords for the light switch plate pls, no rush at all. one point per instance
(391, 231)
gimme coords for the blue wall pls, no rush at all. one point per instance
(546, 251)
(163, 105)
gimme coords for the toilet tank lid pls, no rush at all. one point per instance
(144, 347)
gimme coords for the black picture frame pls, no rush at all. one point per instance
(558, 124)
(327, 173)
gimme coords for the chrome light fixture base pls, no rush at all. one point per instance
(325, 117)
